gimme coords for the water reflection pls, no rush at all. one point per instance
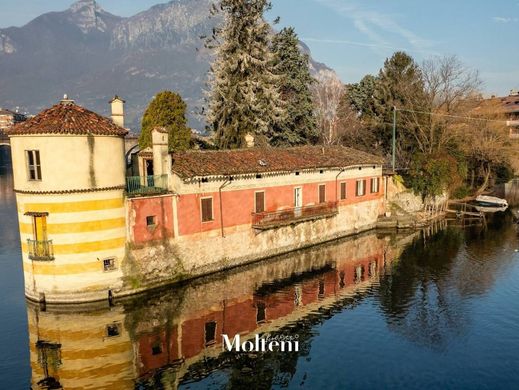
(426, 290)
(175, 336)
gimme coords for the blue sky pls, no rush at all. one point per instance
(355, 36)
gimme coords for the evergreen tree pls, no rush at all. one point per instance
(399, 84)
(244, 96)
(360, 95)
(299, 126)
(168, 110)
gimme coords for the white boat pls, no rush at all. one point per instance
(491, 201)
(490, 209)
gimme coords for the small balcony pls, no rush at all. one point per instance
(40, 250)
(146, 185)
(273, 219)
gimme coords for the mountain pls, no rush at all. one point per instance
(92, 55)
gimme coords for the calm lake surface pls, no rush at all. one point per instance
(434, 309)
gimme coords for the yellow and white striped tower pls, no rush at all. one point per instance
(69, 177)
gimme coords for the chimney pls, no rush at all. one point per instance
(117, 105)
(249, 140)
(161, 156)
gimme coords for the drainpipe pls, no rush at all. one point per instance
(226, 182)
(336, 189)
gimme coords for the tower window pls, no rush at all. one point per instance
(33, 164)
(109, 264)
(113, 330)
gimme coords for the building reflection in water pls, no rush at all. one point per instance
(176, 335)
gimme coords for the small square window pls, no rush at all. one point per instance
(113, 330)
(109, 264)
(150, 220)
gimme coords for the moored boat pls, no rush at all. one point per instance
(491, 201)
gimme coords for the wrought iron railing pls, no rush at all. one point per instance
(146, 185)
(41, 250)
(296, 214)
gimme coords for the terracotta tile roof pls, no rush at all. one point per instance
(68, 118)
(193, 163)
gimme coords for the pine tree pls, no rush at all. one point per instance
(244, 96)
(167, 109)
(399, 84)
(299, 126)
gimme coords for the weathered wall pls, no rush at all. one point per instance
(81, 189)
(206, 252)
(70, 162)
(158, 207)
(84, 229)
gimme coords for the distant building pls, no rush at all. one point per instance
(510, 107)
(9, 118)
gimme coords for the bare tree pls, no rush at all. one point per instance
(485, 141)
(452, 90)
(328, 92)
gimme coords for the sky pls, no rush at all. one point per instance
(354, 37)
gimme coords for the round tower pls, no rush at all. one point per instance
(69, 180)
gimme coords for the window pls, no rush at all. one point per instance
(113, 330)
(321, 288)
(109, 264)
(374, 185)
(361, 187)
(156, 348)
(259, 201)
(343, 190)
(33, 164)
(372, 268)
(261, 313)
(342, 275)
(150, 220)
(359, 273)
(210, 332)
(207, 209)
(322, 193)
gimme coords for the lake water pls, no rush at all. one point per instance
(433, 309)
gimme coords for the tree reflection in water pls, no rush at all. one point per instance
(424, 295)
(173, 337)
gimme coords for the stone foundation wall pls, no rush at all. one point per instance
(187, 257)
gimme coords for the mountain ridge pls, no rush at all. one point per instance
(91, 54)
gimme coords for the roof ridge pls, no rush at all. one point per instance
(68, 119)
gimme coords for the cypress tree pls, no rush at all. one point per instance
(244, 95)
(299, 126)
(168, 110)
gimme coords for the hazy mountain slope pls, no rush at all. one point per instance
(91, 55)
